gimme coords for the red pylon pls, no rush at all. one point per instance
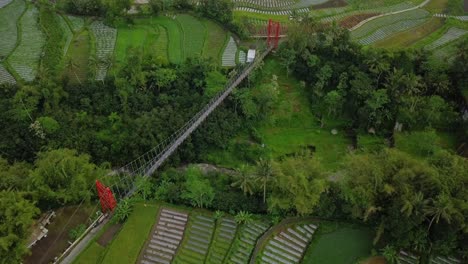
(273, 31)
(106, 197)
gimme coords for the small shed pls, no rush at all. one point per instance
(250, 55)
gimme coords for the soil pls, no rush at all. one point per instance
(57, 239)
(330, 4)
(107, 236)
(352, 21)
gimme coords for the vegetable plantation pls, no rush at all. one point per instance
(105, 41)
(26, 57)
(9, 16)
(383, 27)
(451, 35)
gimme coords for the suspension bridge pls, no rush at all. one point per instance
(123, 180)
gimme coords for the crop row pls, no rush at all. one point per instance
(386, 21)
(25, 58)
(389, 30)
(5, 76)
(9, 15)
(334, 14)
(105, 43)
(451, 35)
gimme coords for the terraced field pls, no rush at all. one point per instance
(66, 31)
(76, 23)
(77, 58)
(4, 3)
(288, 246)
(383, 27)
(9, 15)
(105, 38)
(25, 58)
(197, 240)
(222, 240)
(165, 238)
(194, 33)
(215, 39)
(451, 35)
(5, 76)
(245, 242)
(229, 55)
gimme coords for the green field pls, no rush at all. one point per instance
(216, 39)
(336, 244)
(194, 33)
(9, 15)
(25, 58)
(139, 36)
(126, 246)
(77, 58)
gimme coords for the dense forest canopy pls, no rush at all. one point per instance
(59, 136)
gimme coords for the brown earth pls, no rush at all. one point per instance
(351, 21)
(330, 4)
(107, 236)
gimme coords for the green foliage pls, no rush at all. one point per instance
(76, 232)
(56, 40)
(298, 184)
(219, 10)
(380, 187)
(16, 215)
(63, 176)
(243, 217)
(123, 210)
(198, 191)
(215, 82)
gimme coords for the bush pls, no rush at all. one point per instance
(76, 232)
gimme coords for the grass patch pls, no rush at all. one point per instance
(409, 37)
(194, 35)
(436, 6)
(9, 16)
(415, 143)
(92, 254)
(336, 243)
(216, 38)
(25, 58)
(292, 127)
(139, 36)
(127, 245)
(174, 36)
(77, 59)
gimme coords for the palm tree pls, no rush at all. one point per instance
(244, 180)
(264, 174)
(390, 255)
(442, 207)
(415, 204)
(243, 217)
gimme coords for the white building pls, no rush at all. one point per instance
(250, 55)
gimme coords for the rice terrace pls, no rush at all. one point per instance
(234, 131)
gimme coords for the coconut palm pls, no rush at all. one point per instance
(441, 208)
(243, 217)
(264, 174)
(244, 180)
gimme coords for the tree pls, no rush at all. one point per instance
(440, 208)
(264, 174)
(63, 176)
(16, 215)
(243, 217)
(123, 210)
(144, 186)
(244, 180)
(198, 191)
(299, 183)
(287, 57)
(390, 255)
(219, 10)
(215, 82)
